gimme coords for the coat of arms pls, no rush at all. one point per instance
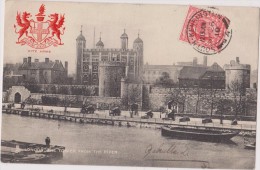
(39, 34)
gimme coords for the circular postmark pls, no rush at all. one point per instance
(209, 33)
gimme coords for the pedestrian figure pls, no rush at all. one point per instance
(221, 119)
(47, 141)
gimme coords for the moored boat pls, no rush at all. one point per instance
(198, 133)
(250, 146)
(23, 152)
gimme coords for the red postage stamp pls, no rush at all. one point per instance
(39, 33)
(208, 32)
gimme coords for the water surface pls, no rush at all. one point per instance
(112, 145)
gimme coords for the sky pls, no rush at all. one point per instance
(159, 26)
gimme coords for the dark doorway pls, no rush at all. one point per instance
(17, 97)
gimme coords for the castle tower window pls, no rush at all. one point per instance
(95, 68)
(118, 57)
(85, 68)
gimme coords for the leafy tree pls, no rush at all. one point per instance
(50, 100)
(30, 101)
(146, 100)
(134, 95)
(210, 99)
(199, 93)
(165, 81)
(223, 107)
(250, 102)
(7, 83)
(237, 89)
(178, 95)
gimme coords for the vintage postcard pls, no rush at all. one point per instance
(140, 85)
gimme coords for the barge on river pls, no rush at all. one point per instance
(201, 134)
(23, 152)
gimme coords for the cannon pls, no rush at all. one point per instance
(115, 112)
(234, 122)
(90, 109)
(87, 109)
(184, 119)
(148, 114)
(207, 120)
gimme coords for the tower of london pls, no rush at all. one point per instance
(106, 67)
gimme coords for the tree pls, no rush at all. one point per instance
(223, 106)
(251, 102)
(237, 90)
(134, 95)
(177, 95)
(199, 93)
(165, 81)
(60, 79)
(50, 100)
(211, 98)
(146, 100)
(8, 83)
(30, 101)
(184, 98)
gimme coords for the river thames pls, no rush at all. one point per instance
(88, 144)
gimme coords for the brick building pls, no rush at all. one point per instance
(46, 72)
(203, 77)
(152, 73)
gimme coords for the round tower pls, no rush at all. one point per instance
(237, 73)
(110, 75)
(138, 47)
(80, 46)
(124, 41)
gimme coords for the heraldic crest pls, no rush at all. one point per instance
(39, 34)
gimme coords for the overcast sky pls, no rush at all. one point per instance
(160, 27)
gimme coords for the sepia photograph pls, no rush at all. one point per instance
(132, 85)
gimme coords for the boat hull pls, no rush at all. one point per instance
(249, 146)
(207, 135)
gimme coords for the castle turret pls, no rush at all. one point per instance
(100, 44)
(80, 46)
(124, 41)
(237, 74)
(138, 47)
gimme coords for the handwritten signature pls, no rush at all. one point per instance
(166, 149)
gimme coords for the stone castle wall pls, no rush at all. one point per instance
(99, 102)
(159, 97)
